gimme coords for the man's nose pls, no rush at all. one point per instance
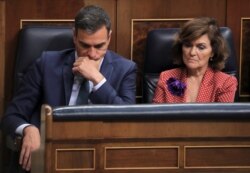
(91, 52)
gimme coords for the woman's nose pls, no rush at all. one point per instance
(193, 50)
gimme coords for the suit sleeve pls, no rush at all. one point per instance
(24, 108)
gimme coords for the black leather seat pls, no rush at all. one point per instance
(158, 58)
(32, 40)
(35, 39)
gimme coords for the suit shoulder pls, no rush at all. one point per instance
(223, 76)
(116, 58)
(59, 53)
(176, 73)
(56, 58)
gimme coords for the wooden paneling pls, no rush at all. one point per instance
(143, 146)
(141, 157)
(235, 11)
(159, 9)
(2, 54)
(85, 159)
(2, 66)
(217, 157)
(138, 130)
(244, 88)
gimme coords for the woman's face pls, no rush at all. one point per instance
(196, 54)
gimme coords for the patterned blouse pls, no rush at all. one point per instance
(216, 86)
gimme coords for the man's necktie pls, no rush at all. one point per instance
(83, 94)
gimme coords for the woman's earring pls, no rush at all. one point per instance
(211, 59)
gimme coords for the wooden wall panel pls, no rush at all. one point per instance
(212, 157)
(235, 11)
(160, 9)
(2, 53)
(141, 157)
(2, 64)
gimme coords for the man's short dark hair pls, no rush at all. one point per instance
(92, 18)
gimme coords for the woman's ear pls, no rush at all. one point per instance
(212, 55)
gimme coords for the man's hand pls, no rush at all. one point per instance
(88, 68)
(31, 142)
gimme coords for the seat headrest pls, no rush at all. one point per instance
(32, 40)
(231, 65)
(158, 50)
(158, 55)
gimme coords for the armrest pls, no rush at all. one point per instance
(38, 157)
(149, 85)
(14, 144)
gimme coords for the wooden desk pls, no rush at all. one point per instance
(146, 146)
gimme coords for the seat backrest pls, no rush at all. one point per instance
(158, 57)
(33, 40)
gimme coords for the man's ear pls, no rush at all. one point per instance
(74, 34)
(109, 35)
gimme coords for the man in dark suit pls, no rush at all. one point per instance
(57, 76)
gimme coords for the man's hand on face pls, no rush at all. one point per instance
(88, 68)
(31, 142)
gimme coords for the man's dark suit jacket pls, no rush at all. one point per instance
(50, 81)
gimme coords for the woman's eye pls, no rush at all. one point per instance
(201, 47)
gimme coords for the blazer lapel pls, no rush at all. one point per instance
(206, 85)
(183, 77)
(107, 67)
(68, 77)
